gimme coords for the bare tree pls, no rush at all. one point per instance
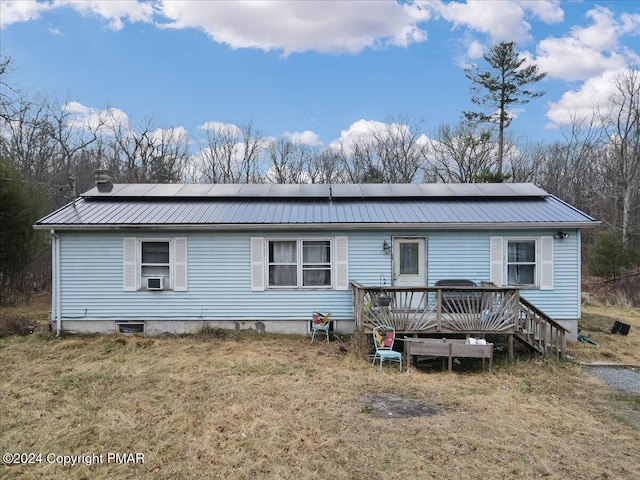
(624, 134)
(231, 154)
(462, 153)
(149, 154)
(322, 166)
(392, 152)
(286, 162)
(570, 168)
(401, 149)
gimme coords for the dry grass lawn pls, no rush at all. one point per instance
(236, 405)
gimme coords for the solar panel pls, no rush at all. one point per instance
(466, 190)
(224, 190)
(284, 190)
(526, 189)
(314, 190)
(164, 190)
(254, 190)
(194, 190)
(346, 190)
(435, 189)
(405, 190)
(343, 190)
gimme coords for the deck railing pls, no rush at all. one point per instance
(465, 310)
(540, 331)
(436, 309)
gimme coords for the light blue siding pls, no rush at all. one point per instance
(219, 280)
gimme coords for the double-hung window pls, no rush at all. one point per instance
(156, 259)
(522, 262)
(155, 263)
(299, 263)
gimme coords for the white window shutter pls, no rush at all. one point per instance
(546, 263)
(257, 264)
(130, 264)
(342, 263)
(496, 259)
(180, 264)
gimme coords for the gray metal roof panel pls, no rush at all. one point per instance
(151, 211)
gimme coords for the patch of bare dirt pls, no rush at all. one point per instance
(388, 405)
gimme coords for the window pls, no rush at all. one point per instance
(155, 260)
(299, 263)
(409, 258)
(155, 264)
(316, 263)
(521, 262)
(283, 265)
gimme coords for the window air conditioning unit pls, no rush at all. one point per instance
(155, 283)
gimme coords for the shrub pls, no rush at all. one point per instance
(15, 324)
(609, 257)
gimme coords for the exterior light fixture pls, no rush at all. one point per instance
(386, 246)
(561, 235)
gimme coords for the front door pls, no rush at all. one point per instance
(409, 264)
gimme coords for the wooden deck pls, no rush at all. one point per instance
(469, 311)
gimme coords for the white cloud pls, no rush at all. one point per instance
(365, 131)
(357, 132)
(594, 96)
(175, 135)
(229, 129)
(295, 26)
(588, 51)
(305, 138)
(112, 10)
(14, 11)
(502, 21)
(87, 118)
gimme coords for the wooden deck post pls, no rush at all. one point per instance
(439, 310)
(511, 347)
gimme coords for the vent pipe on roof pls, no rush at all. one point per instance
(103, 181)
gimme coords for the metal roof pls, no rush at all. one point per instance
(296, 206)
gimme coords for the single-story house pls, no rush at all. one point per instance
(174, 258)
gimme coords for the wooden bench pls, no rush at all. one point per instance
(447, 349)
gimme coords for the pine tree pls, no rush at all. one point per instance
(503, 85)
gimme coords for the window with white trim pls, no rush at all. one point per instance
(299, 263)
(155, 263)
(526, 262)
(522, 263)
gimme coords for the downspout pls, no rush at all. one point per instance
(55, 271)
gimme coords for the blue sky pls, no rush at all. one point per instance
(311, 71)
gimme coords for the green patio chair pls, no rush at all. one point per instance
(383, 339)
(321, 323)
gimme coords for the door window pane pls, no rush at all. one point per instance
(409, 259)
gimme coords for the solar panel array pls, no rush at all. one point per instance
(343, 190)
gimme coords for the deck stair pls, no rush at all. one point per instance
(539, 332)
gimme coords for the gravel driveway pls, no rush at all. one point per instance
(620, 378)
